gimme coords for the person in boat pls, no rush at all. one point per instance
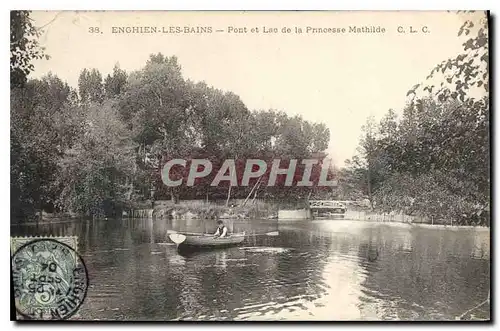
(221, 231)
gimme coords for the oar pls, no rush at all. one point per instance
(272, 233)
(189, 233)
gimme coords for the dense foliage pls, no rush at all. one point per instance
(98, 150)
(433, 161)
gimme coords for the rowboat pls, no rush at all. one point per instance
(189, 240)
(205, 240)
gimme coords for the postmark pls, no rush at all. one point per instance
(50, 280)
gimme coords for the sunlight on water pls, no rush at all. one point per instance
(342, 277)
(270, 250)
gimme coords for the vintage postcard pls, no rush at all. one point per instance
(250, 165)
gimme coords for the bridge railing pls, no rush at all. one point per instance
(325, 204)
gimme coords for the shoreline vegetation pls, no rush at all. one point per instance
(97, 149)
(232, 214)
(189, 210)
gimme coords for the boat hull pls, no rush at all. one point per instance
(209, 241)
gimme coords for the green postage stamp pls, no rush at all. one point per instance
(49, 278)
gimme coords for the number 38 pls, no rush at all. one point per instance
(94, 29)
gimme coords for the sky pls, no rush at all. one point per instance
(339, 79)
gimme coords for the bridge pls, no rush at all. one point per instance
(326, 205)
(327, 208)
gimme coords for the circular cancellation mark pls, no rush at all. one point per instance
(50, 280)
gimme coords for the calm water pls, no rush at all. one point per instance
(319, 270)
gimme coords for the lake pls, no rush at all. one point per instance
(314, 270)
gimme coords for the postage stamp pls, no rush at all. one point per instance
(50, 279)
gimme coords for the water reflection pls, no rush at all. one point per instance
(321, 270)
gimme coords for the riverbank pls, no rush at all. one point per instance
(374, 216)
(185, 210)
(259, 209)
(413, 225)
(199, 209)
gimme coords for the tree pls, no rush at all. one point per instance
(436, 161)
(24, 47)
(96, 171)
(37, 141)
(90, 86)
(458, 76)
(370, 155)
(115, 85)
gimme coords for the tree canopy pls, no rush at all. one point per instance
(434, 160)
(98, 149)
